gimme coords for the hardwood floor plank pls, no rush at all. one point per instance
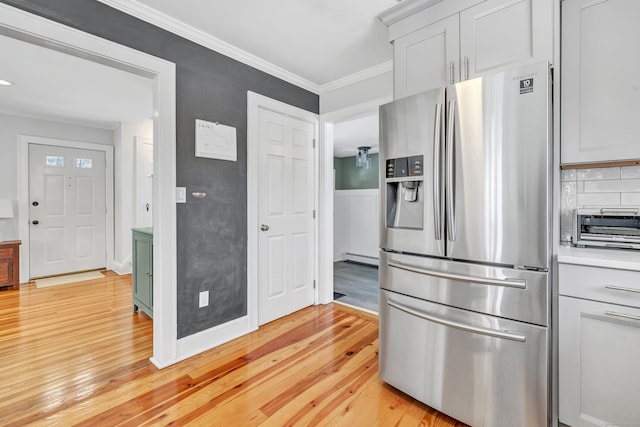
(77, 355)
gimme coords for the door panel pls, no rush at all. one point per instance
(67, 210)
(285, 212)
(408, 127)
(501, 168)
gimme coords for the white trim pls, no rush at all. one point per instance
(404, 9)
(325, 190)
(166, 22)
(19, 24)
(23, 195)
(123, 267)
(360, 76)
(213, 337)
(254, 103)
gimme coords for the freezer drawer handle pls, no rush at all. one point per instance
(509, 282)
(508, 335)
(622, 288)
(624, 316)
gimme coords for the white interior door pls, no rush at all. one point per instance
(285, 215)
(144, 182)
(66, 210)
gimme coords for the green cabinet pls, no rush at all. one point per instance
(142, 277)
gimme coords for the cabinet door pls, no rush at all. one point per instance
(498, 34)
(600, 91)
(142, 270)
(427, 58)
(599, 347)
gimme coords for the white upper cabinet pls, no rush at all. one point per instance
(427, 58)
(439, 44)
(600, 81)
(498, 34)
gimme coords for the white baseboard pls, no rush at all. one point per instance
(123, 267)
(210, 338)
(362, 259)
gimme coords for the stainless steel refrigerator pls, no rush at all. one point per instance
(465, 247)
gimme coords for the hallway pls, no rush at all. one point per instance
(358, 283)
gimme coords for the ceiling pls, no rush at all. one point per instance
(51, 85)
(351, 134)
(317, 41)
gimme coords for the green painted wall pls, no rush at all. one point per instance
(349, 177)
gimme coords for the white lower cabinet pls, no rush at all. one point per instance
(599, 359)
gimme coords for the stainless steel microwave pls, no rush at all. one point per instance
(607, 227)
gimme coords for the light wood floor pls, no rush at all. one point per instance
(77, 355)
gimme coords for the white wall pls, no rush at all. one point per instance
(124, 186)
(10, 128)
(356, 225)
(376, 87)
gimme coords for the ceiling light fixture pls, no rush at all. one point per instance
(5, 83)
(362, 159)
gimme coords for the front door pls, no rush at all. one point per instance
(285, 214)
(66, 210)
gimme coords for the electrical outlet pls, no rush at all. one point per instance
(204, 299)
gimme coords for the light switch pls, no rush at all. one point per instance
(181, 194)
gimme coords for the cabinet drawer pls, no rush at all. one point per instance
(598, 357)
(6, 253)
(600, 284)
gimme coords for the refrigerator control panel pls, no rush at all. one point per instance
(405, 166)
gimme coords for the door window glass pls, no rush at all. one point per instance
(54, 161)
(84, 163)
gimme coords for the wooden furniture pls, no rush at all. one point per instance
(448, 42)
(142, 263)
(599, 342)
(10, 264)
(600, 96)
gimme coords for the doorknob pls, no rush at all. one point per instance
(35, 203)
(35, 222)
(264, 227)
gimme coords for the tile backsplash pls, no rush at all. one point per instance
(585, 188)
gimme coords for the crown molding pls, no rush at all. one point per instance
(367, 73)
(166, 22)
(404, 9)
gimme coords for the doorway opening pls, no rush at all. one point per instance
(355, 209)
(37, 31)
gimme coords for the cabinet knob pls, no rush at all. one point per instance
(35, 203)
(35, 222)
(148, 274)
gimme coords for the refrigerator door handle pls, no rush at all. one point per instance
(437, 191)
(450, 190)
(508, 282)
(508, 335)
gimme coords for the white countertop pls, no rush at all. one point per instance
(608, 258)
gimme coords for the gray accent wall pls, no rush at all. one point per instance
(349, 177)
(212, 232)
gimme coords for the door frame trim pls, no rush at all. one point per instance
(35, 29)
(23, 195)
(254, 103)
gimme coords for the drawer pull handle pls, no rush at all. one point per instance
(621, 288)
(509, 335)
(509, 282)
(625, 316)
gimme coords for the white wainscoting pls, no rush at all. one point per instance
(355, 225)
